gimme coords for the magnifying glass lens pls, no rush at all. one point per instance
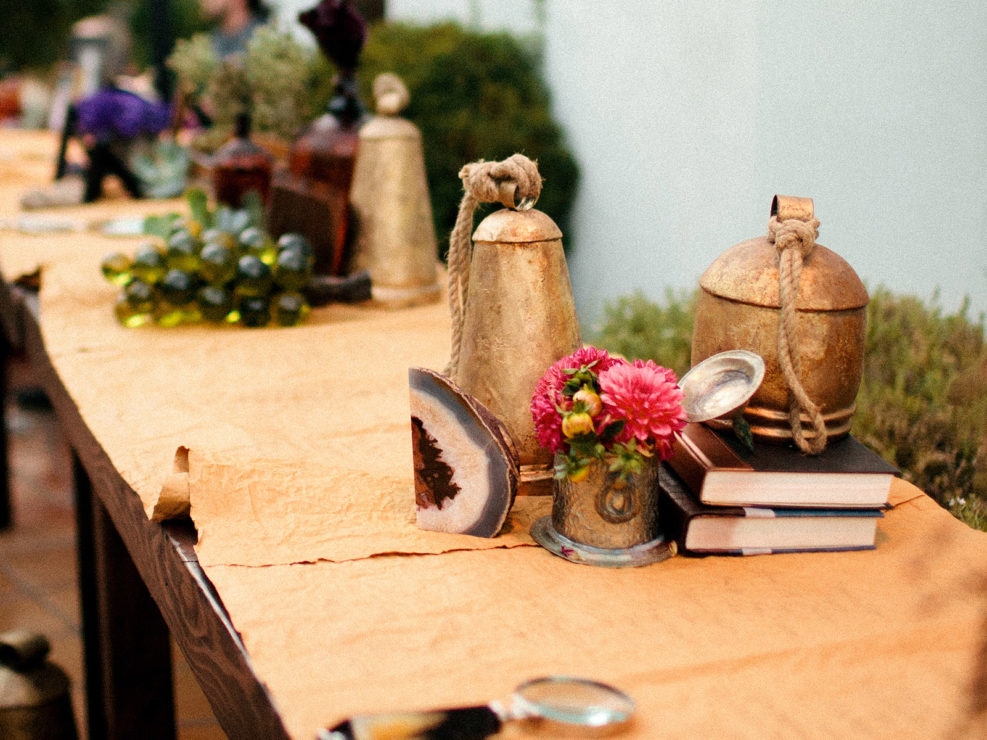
(573, 701)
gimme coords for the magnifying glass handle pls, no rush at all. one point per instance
(466, 723)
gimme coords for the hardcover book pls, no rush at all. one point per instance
(702, 529)
(721, 472)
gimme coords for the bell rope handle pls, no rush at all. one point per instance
(516, 184)
(794, 239)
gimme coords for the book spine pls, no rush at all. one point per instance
(685, 462)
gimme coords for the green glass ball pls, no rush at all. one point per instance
(292, 270)
(215, 303)
(291, 309)
(140, 296)
(182, 252)
(116, 268)
(149, 264)
(217, 263)
(293, 240)
(217, 235)
(255, 311)
(253, 276)
(178, 287)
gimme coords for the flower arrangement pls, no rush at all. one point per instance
(591, 406)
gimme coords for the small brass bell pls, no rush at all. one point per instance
(394, 233)
(803, 309)
(513, 313)
(34, 693)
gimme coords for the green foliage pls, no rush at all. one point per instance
(34, 35)
(639, 328)
(285, 83)
(923, 401)
(474, 96)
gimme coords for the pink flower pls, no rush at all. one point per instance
(548, 393)
(648, 398)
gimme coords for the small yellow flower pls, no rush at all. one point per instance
(575, 424)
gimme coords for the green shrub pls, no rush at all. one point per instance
(923, 401)
(474, 96)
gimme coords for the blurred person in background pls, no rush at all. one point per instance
(235, 22)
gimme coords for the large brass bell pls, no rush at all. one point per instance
(515, 313)
(803, 309)
(394, 236)
(34, 693)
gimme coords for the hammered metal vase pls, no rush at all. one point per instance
(600, 512)
(739, 308)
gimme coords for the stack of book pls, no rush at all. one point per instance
(717, 497)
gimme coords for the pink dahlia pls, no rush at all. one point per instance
(648, 398)
(548, 398)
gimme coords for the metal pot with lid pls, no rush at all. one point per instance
(802, 308)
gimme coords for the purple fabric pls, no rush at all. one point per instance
(118, 114)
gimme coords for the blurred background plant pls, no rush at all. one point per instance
(923, 401)
(284, 83)
(474, 95)
(35, 35)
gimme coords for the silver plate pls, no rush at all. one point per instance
(558, 544)
(721, 384)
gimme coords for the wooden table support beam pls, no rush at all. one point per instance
(126, 642)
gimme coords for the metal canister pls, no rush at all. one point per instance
(519, 319)
(34, 693)
(739, 308)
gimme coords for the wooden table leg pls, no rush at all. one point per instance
(6, 518)
(126, 644)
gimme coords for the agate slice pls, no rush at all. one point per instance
(466, 464)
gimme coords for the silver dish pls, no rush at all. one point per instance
(721, 384)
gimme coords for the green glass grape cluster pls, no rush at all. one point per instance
(218, 267)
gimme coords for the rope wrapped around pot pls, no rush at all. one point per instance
(794, 240)
(514, 182)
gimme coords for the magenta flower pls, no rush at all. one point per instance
(641, 411)
(647, 397)
(548, 397)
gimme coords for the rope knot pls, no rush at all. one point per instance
(793, 233)
(515, 179)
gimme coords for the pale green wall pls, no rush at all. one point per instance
(688, 117)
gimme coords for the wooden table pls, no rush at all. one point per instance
(889, 641)
(139, 581)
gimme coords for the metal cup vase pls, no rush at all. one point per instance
(603, 511)
(602, 520)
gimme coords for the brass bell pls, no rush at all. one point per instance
(34, 693)
(513, 311)
(394, 234)
(803, 309)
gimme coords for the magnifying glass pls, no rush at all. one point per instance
(561, 705)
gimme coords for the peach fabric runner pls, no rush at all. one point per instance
(292, 448)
